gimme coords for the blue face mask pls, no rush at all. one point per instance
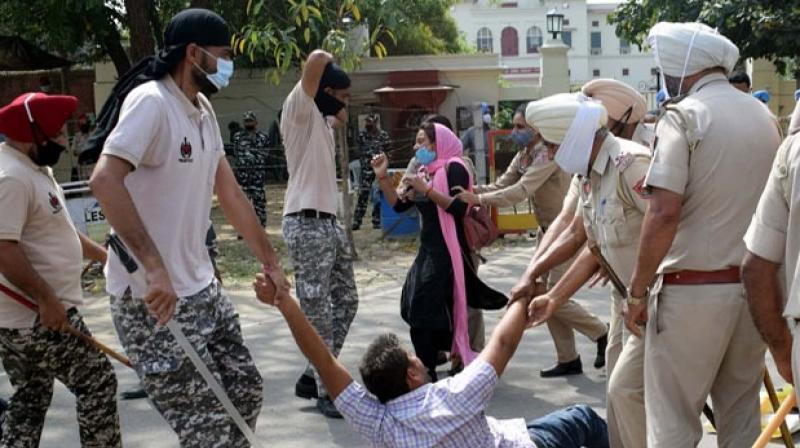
(521, 138)
(425, 156)
(222, 77)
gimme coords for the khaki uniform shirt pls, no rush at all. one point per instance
(716, 151)
(774, 232)
(572, 199)
(613, 201)
(542, 181)
(35, 216)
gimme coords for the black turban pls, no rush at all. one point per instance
(334, 77)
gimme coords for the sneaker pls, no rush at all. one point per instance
(306, 387)
(355, 226)
(325, 407)
(377, 225)
(600, 359)
(563, 369)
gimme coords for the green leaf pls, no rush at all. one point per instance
(307, 35)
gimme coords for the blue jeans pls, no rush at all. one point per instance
(574, 427)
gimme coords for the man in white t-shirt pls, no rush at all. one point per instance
(159, 169)
(40, 283)
(317, 244)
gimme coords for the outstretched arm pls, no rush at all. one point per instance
(506, 337)
(335, 377)
(312, 72)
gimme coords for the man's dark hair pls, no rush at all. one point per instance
(739, 77)
(383, 368)
(439, 119)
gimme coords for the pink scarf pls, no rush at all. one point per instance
(449, 150)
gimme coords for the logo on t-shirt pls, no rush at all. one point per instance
(186, 151)
(54, 203)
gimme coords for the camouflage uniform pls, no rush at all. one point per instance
(33, 358)
(172, 382)
(324, 279)
(251, 168)
(369, 145)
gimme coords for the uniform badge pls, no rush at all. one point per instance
(186, 151)
(623, 161)
(642, 190)
(54, 203)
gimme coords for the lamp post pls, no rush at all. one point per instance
(554, 75)
(555, 21)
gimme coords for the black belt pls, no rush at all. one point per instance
(311, 213)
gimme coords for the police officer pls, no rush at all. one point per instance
(371, 141)
(40, 264)
(712, 158)
(611, 212)
(251, 147)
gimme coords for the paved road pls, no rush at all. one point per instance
(288, 422)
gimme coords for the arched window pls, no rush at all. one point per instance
(533, 39)
(509, 42)
(485, 40)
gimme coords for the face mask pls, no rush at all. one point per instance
(521, 138)
(85, 128)
(47, 153)
(250, 127)
(328, 104)
(425, 156)
(487, 119)
(222, 77)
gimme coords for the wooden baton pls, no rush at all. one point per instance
(776, 421)
(70, 329)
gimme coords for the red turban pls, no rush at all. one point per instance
(49, 112)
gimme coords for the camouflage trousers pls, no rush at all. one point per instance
(34, 358)
(174, 385)
(324, 279)
(365, 196)
(258, 197)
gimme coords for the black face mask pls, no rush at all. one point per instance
(85, 128)
(47, 153)
(328, 104)
(250, 127)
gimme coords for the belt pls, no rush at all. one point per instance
(311, 213)
(688, 277)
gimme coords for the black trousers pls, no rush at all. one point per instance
(427, 344)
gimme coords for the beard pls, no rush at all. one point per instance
(673, 86)
(200, 79)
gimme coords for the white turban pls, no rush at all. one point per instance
(683, 49)
(553, 115)
(570, 121)
(620, 100)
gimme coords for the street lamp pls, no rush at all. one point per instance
(555, 21)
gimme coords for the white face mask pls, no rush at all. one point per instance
(575, 151)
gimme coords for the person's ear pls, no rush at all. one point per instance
(413, 378)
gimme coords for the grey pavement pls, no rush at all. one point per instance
(289, 422)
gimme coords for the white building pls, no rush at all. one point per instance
(516, 29)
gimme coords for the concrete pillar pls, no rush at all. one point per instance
(554, 76)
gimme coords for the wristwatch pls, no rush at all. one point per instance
(636, 301)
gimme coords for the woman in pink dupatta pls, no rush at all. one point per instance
(442, 278)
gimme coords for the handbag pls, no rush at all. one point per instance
(479, 229)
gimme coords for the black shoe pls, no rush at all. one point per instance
(441, 357)
(563, 369)
(326, 407)
(134, 394)
(377, 225)
(600, 359)
(355, 226)
(306, 387)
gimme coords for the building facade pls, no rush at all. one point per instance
(515, 30)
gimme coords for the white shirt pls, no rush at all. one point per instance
(175, 148)
(310, 155)
(34, 215)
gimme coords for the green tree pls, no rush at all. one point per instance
(760, 28)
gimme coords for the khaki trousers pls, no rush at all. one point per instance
(701, 340)
(571, 316)
(625, 409)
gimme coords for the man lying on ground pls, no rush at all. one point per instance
(400, 407)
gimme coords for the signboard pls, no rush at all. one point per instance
(85, 211)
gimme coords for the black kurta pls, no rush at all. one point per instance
(427, 297)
